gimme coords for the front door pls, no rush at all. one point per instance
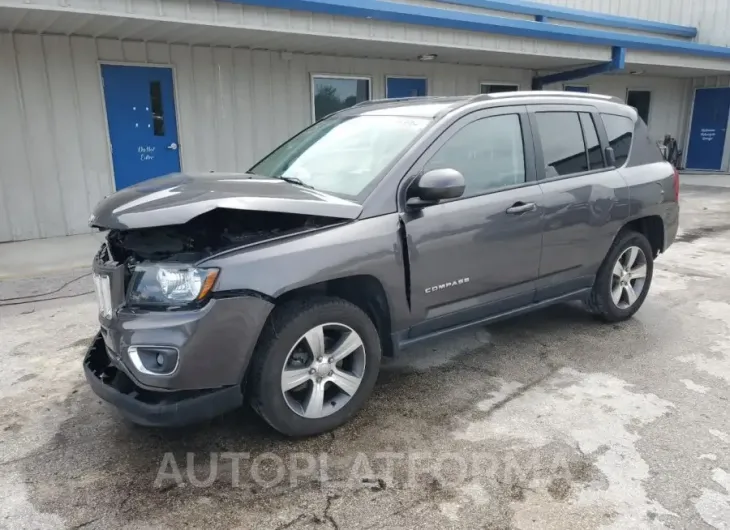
(709, 128)
(405, 87)
(479, 254)
(140, 110)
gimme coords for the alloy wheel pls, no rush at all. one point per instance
(323, 370)
(629, 277)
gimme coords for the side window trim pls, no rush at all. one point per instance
(589, 116)
(461, 122)
(533, 110)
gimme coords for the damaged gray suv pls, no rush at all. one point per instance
(381, 226)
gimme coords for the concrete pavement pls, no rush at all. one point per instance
(40, 257)
(550, 421)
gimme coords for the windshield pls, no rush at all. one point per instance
(343, 156)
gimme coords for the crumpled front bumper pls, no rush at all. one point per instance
(150, 408)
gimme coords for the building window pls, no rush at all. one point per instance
(563, 148)
(577, 88)
(331, 94)
(488, 152)
(620, 131)
(641, 101)
(495, 88)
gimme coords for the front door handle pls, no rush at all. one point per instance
(519, 208)
(172, 146)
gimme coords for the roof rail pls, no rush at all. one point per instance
(548, 94)
(368, 102)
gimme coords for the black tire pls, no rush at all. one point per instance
(285, 327)
(601, 302)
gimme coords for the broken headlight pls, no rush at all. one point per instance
(170, 285)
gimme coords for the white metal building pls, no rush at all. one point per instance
(97, 94)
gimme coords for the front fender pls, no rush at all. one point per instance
(363, 247)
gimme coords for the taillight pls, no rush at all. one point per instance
(676, 184)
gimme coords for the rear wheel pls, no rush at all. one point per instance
(315, 365)
(623, 281)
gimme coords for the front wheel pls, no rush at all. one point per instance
(315, 365)
(623, 281)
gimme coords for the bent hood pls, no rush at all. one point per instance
(176, 199)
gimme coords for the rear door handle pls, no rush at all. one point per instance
(519, 208)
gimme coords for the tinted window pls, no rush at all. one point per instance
(620, 131)
(495, 89)
(595, 155)
(576, 88)
(563, 148)
(336, 93)
(644, 150)
(641, 101)
(488, 152)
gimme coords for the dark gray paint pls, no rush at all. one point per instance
(513, 262)
(175, 199)
(215, 343)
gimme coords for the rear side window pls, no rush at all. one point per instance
(563, 148)
(620, 131)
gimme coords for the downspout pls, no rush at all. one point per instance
(617, 64)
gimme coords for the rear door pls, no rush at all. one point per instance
(583, 200)
(479, 254)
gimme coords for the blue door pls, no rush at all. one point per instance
(140, 110)
(404, 87)
(709, 128)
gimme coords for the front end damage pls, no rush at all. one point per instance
(214, 232)
(172, 349)
(179, 362)
(128, 251)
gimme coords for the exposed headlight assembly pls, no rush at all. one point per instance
(170, 285)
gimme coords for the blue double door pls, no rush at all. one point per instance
(140, 109)
(405, 87)
(708, 130)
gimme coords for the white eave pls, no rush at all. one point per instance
(210, 23)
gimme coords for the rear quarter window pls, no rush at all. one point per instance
(645, 150)
(620, 131)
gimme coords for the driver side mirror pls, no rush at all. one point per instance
(434, 186)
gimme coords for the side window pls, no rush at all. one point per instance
(563, 148)
(620, 131)
(595, 154)
(488, 152)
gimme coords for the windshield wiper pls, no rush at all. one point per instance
(294, 180)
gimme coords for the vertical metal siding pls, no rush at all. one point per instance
(234, 105)
(49, 175)
(711, 17)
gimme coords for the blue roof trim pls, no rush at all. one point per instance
(523, 7)
(444, 18)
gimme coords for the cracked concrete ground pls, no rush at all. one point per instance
(548, 421)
